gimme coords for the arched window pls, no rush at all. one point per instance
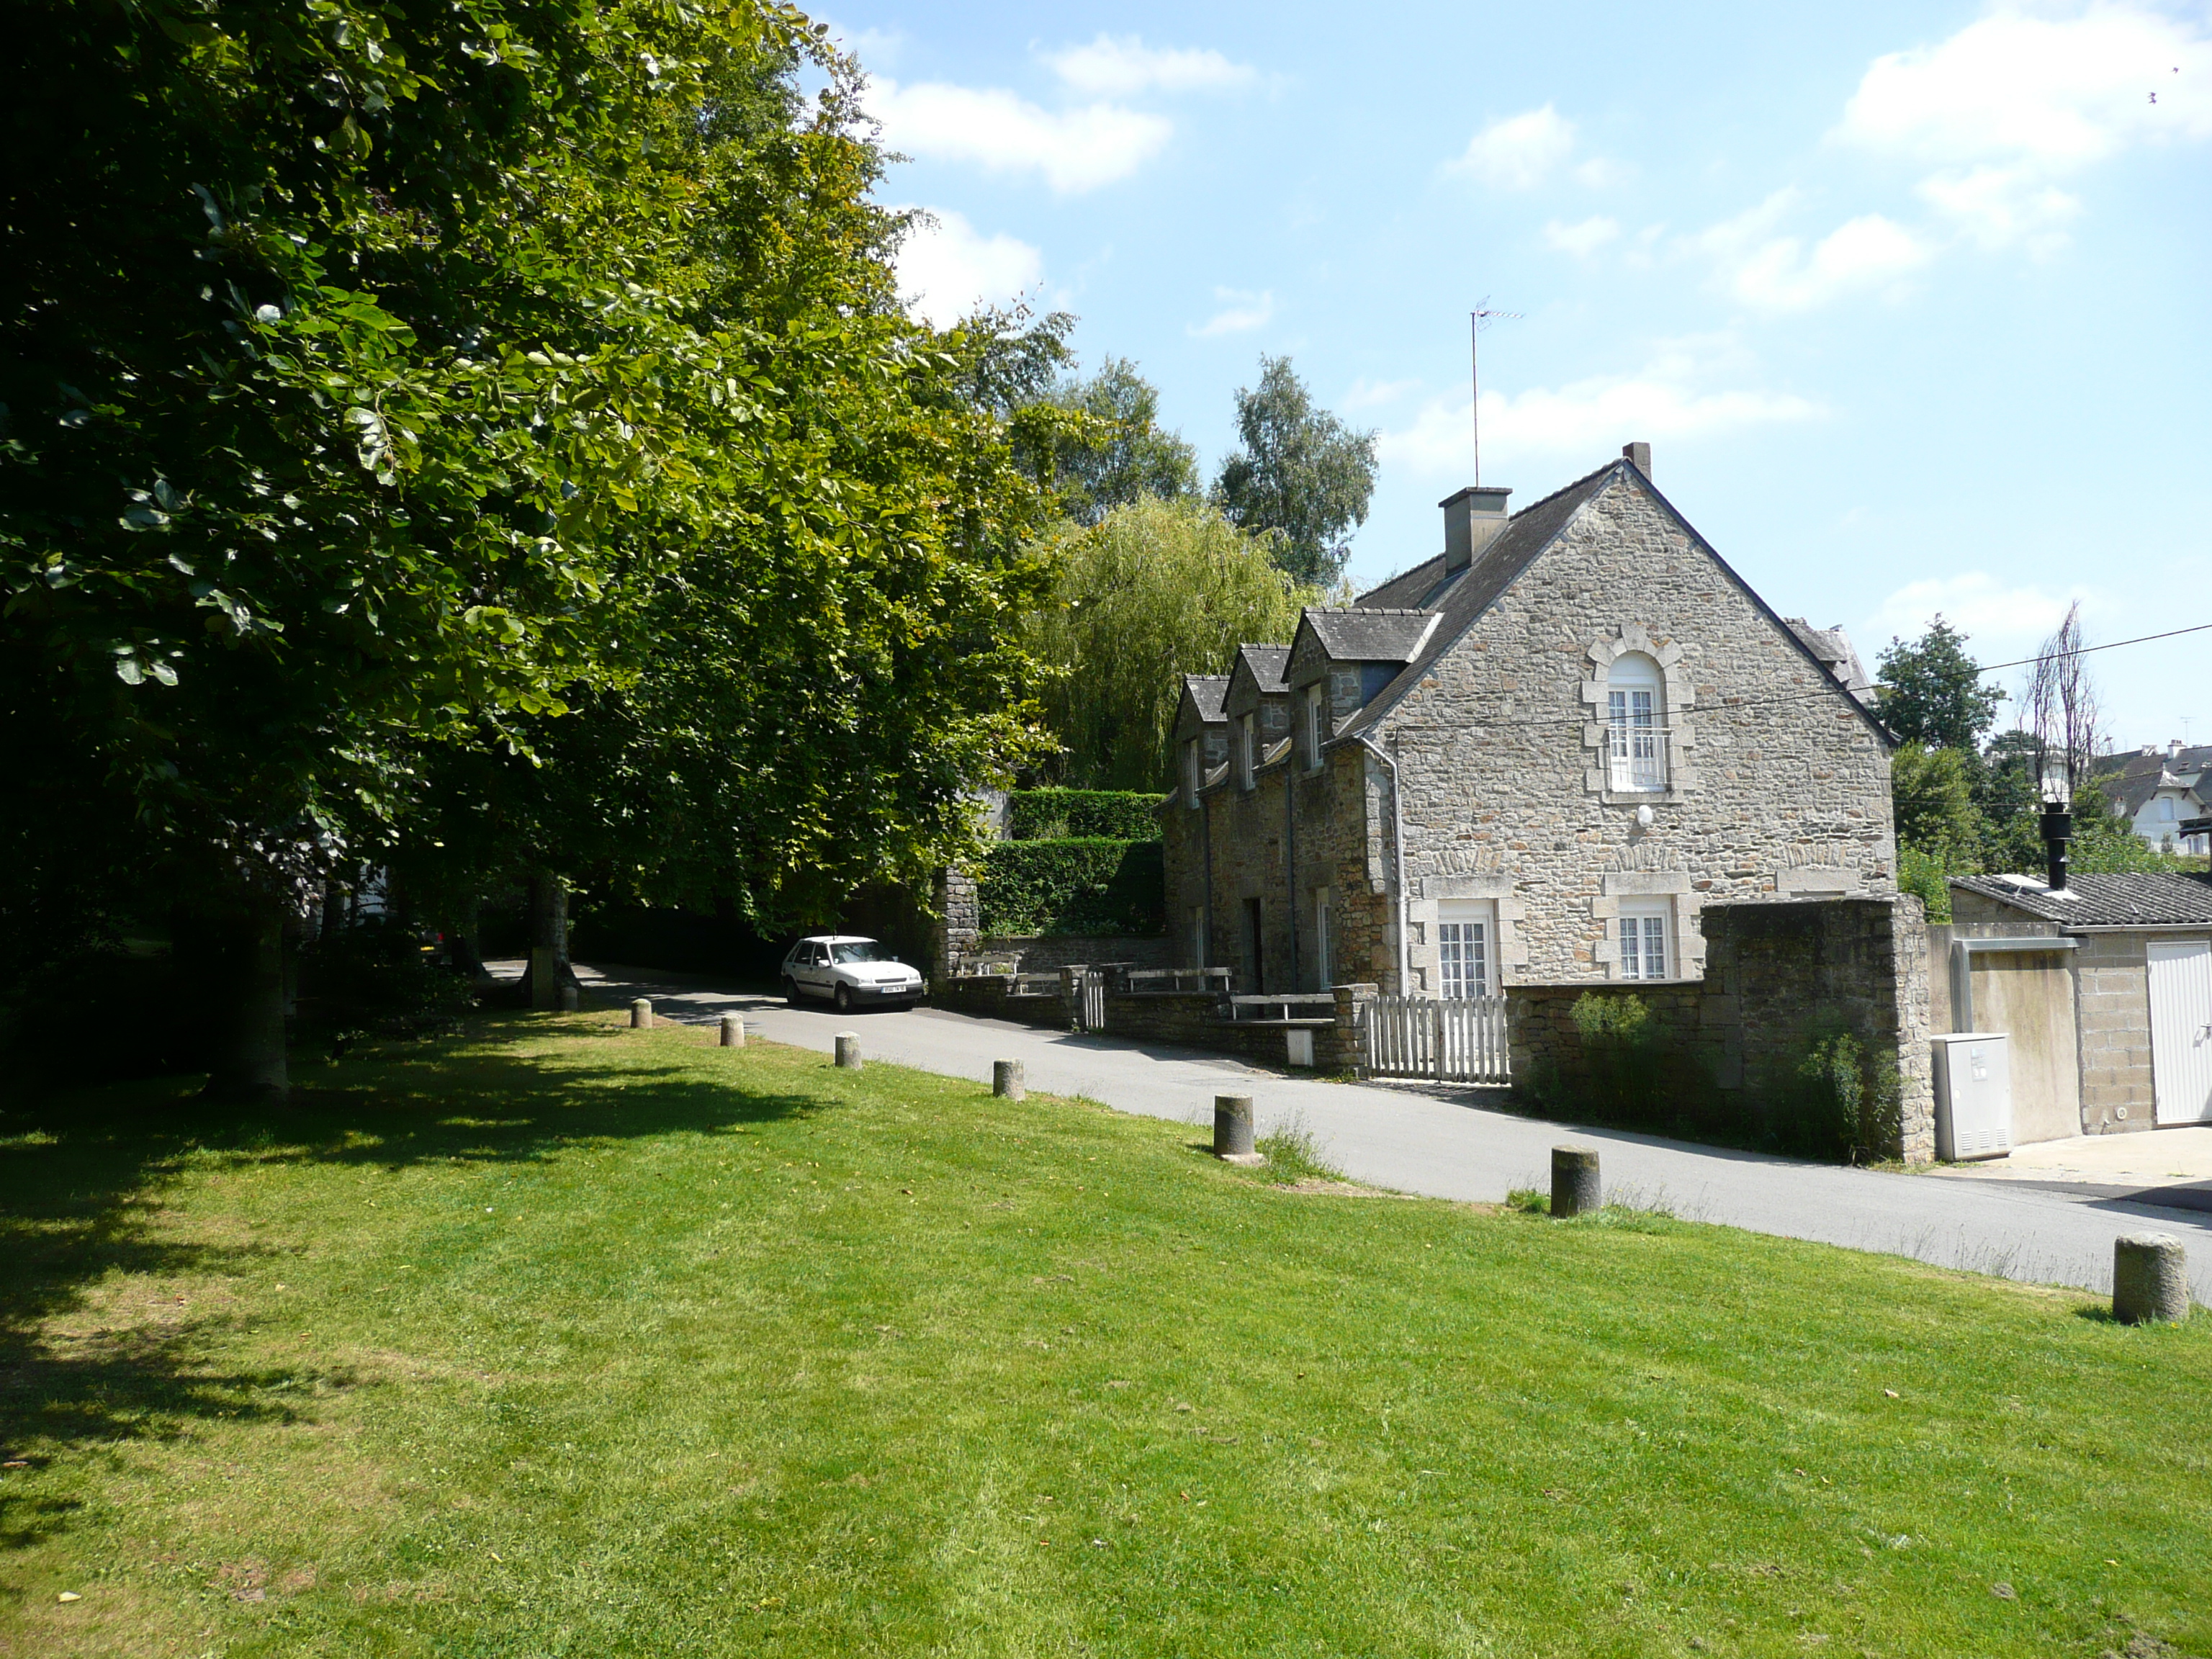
(1635, 711)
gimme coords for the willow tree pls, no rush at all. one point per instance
(1156, 590)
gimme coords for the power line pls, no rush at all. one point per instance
(1811, 693)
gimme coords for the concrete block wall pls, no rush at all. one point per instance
(2111, 999)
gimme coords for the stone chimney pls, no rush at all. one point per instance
(1639, 456)
(2173, 749)
(1472, 518)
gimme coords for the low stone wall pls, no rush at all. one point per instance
(1191, 1019)
(1725, 1054)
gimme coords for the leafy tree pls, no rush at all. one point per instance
(1156, 589)
(2010, 801)
(1302, 476)
(1120, 455)
(384, 384)
(1932, 792)
(1932, 694)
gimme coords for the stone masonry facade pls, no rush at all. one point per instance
(1487, 688)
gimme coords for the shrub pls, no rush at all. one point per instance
(1620, 1064)
(377, 979)
(1923, 876)
(1089, 885)
(1849, 1102)
(1058, 814)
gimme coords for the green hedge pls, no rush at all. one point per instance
(1077, 814)
(1086, 884)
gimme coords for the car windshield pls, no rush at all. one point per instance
(865, 949)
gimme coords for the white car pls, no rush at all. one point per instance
(850, 971)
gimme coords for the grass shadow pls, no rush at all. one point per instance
(81, 1182)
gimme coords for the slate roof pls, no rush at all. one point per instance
(2134, 777)
(1418, 589)
(1470, 592)
(2136, 901)
(1369, 634)
(1207, 692)
(1833, 648)
(1266, 663)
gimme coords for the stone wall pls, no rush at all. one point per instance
(1192, 1019)
(1724, 1053)
(1047, 953)
(959, 916)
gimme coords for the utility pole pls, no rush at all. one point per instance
(1476, 320)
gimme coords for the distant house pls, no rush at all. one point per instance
(2159, 790)
(2128, 1045)
(1534, 757)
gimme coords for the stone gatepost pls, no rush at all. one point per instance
(958, 929)
(1342, 1047)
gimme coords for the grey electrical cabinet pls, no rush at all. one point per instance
(1973, 1095)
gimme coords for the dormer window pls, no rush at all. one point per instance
(1317, 726)
(1635, 725)
(1248, 749)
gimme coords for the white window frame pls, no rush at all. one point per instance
(1466, 949)
(1314, 725)
(2166, 813)
(1193, 768)
(1635, 725)
(1644, 933)
(1248, 741)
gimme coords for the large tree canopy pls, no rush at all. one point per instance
(1120, 453)
(382, 384)
(1302, 476)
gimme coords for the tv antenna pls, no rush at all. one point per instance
(1477, 319)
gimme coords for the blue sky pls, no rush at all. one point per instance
(1911, 302)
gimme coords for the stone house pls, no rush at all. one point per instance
(1533, 758)
(2106, 987)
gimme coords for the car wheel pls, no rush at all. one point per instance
(790, 990)
(844, 999)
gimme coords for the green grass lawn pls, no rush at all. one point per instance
(567, 1340)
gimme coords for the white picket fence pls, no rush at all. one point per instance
(1455, 1039)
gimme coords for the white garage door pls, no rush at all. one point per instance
(2181, 1029)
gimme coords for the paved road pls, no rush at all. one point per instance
(1454, 1147)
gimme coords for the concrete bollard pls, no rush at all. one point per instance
(2150, 1279)
(1574, 1188)
(571, 1000)
(1232, 1129)
(640, 1014)
(848, 1050)
(1007, 1080)
(733, 1030)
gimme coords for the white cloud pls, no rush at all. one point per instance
(1242, 310)
(1780, 273)
(1372, 394)
(2060, 90)
(1075, 150)
(1587, 420)
(948, 268)
(1998, 206)
(2003, 622)
(1518, 152)
(1118, 67)
(1581, 239)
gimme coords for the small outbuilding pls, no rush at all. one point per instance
(2133, 956)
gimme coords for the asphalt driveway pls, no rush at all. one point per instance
(1458, 1146)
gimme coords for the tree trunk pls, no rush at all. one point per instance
(548, 940)
(248, 1064)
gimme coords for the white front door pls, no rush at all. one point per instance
(2181, 1029)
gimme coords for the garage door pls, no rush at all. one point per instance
(2181, 1029)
